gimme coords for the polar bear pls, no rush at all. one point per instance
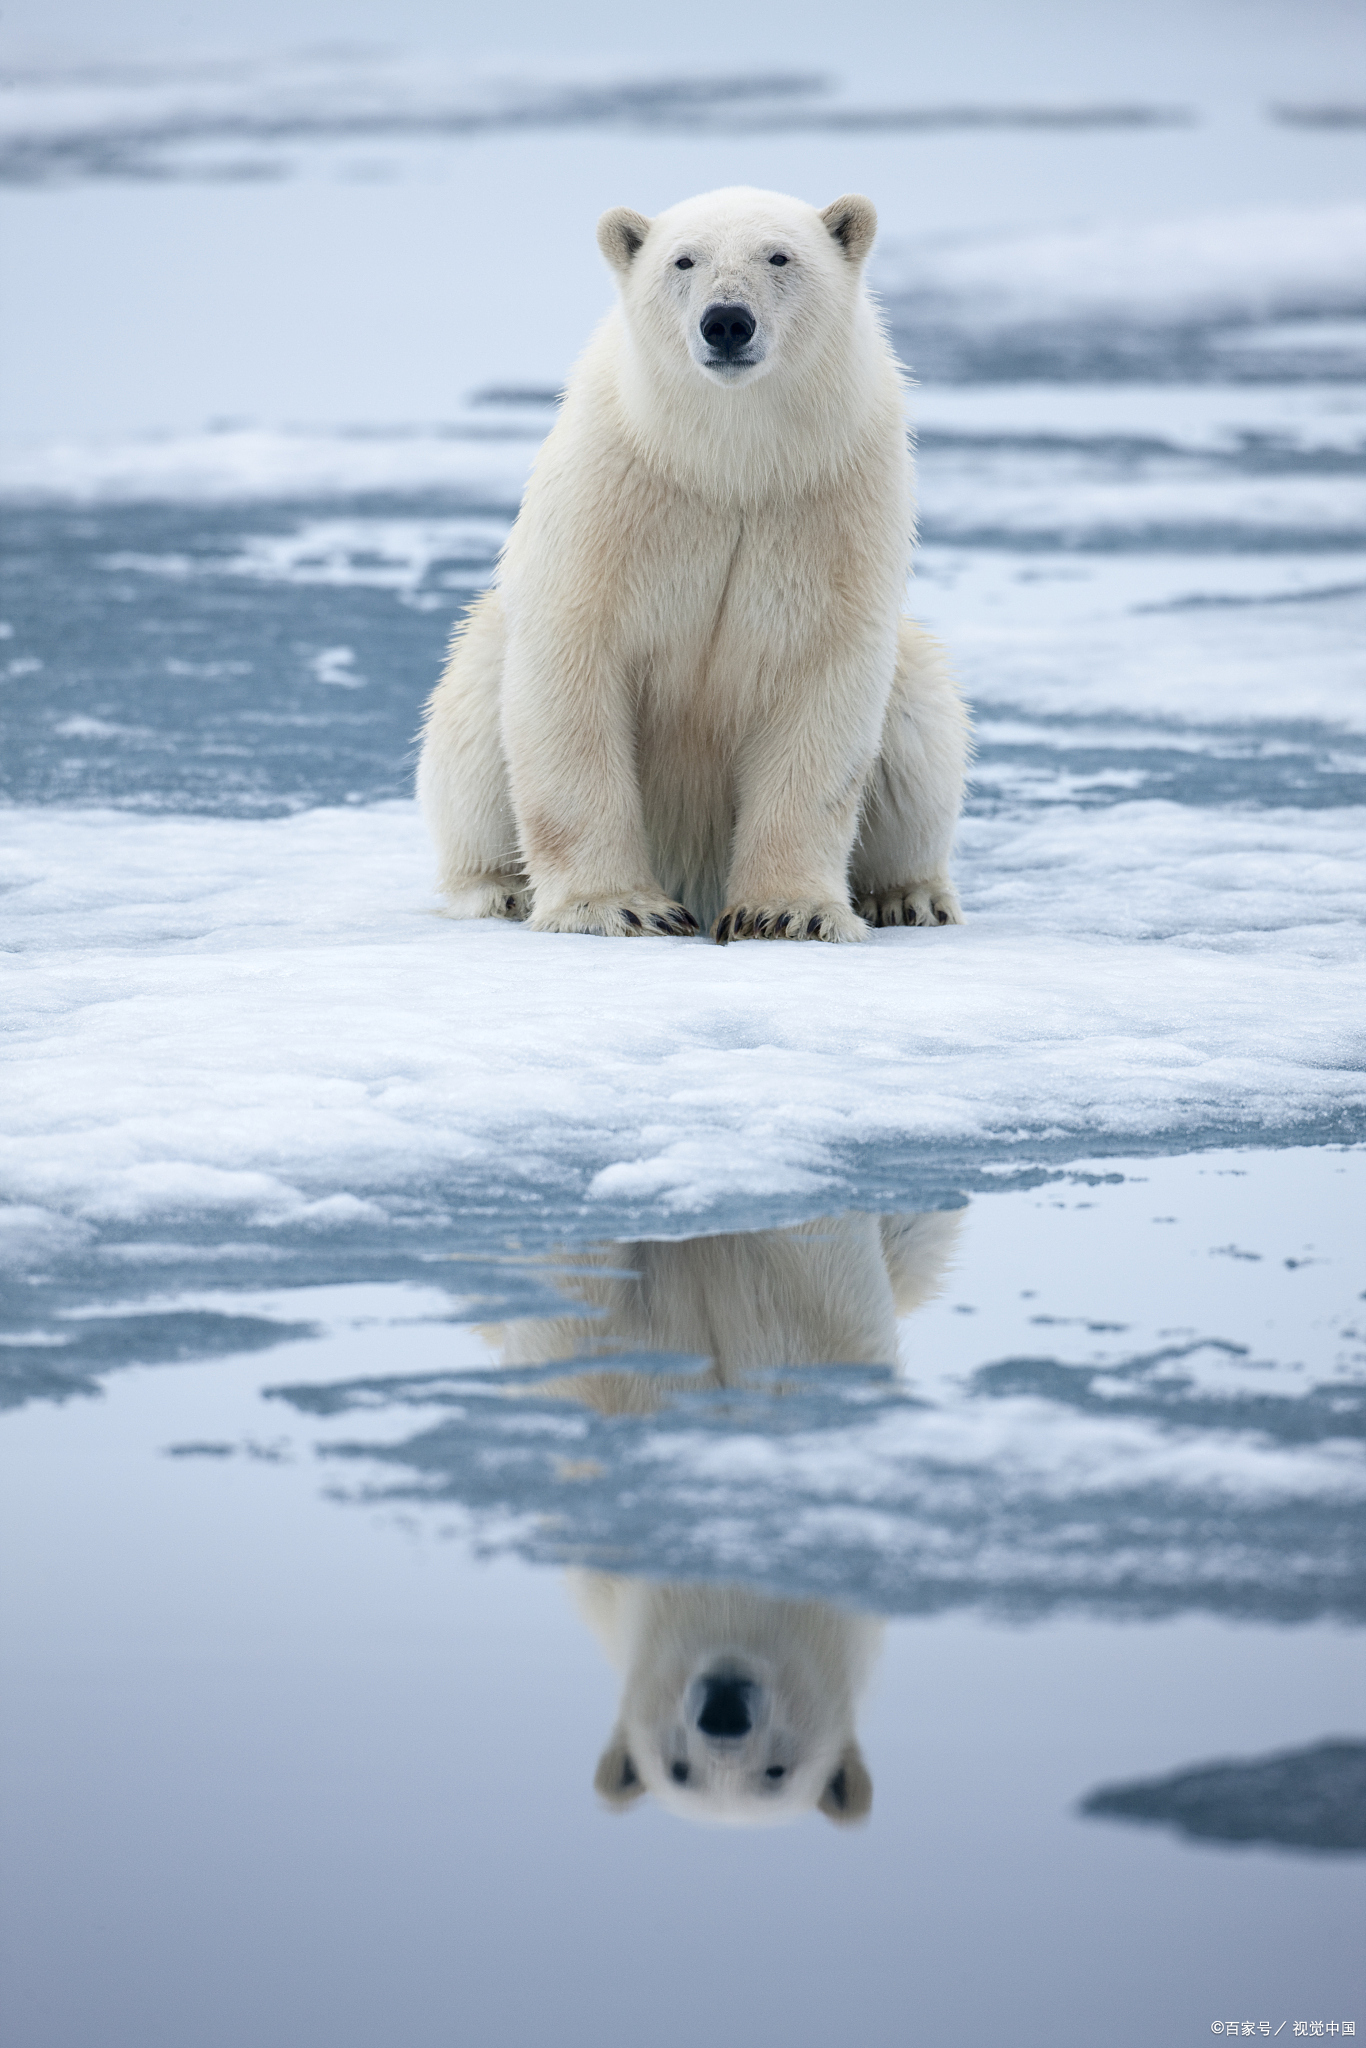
(692, 698)
(736, 1707)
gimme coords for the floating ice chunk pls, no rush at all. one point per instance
(337, 665)
(1255, 264)
(1128, 420)
(247, 463)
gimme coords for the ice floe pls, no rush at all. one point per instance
(216, 1017)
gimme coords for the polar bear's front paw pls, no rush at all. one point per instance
(932, 902)
(488, 896)
(620, 917)
(833, 921)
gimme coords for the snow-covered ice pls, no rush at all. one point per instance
(233, 1016)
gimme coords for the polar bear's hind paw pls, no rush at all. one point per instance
(917, 903)
(834, 922)
(488, 896)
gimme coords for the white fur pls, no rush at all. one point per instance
(693, 695)
(827, 1292)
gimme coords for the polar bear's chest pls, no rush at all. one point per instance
(719, 636)
(712, 665)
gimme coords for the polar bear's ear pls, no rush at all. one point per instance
(620, 234)
(848, 1795)
(616, 1779)
(853, 223)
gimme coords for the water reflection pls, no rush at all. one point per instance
(734, 1410)
(825, 1293)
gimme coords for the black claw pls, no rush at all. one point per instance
(943, 916)
(813, 927)
(783, 923)
(631, 919)
(511, 903)
(661, 924)
(723, 931)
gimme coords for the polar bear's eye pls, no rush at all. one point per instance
(776, 1770)
(683, 263)
(679, 1773)
(779, 258)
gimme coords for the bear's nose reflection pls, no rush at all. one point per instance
(725, 1711)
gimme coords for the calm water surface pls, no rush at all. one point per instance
(710, 1634)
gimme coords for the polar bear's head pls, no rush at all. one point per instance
(729, 287)
(737, 1708)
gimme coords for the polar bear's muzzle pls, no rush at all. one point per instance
(728, 330)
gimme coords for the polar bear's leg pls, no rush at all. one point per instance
(899, 873)
(797, 813)
(569, 731)
(462, 781)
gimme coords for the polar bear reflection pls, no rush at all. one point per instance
(736, 1706)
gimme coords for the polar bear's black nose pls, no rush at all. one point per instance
(725, 1707)
(727, 329)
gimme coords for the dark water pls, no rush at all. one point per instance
(1311, 1798)
(160, 660)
